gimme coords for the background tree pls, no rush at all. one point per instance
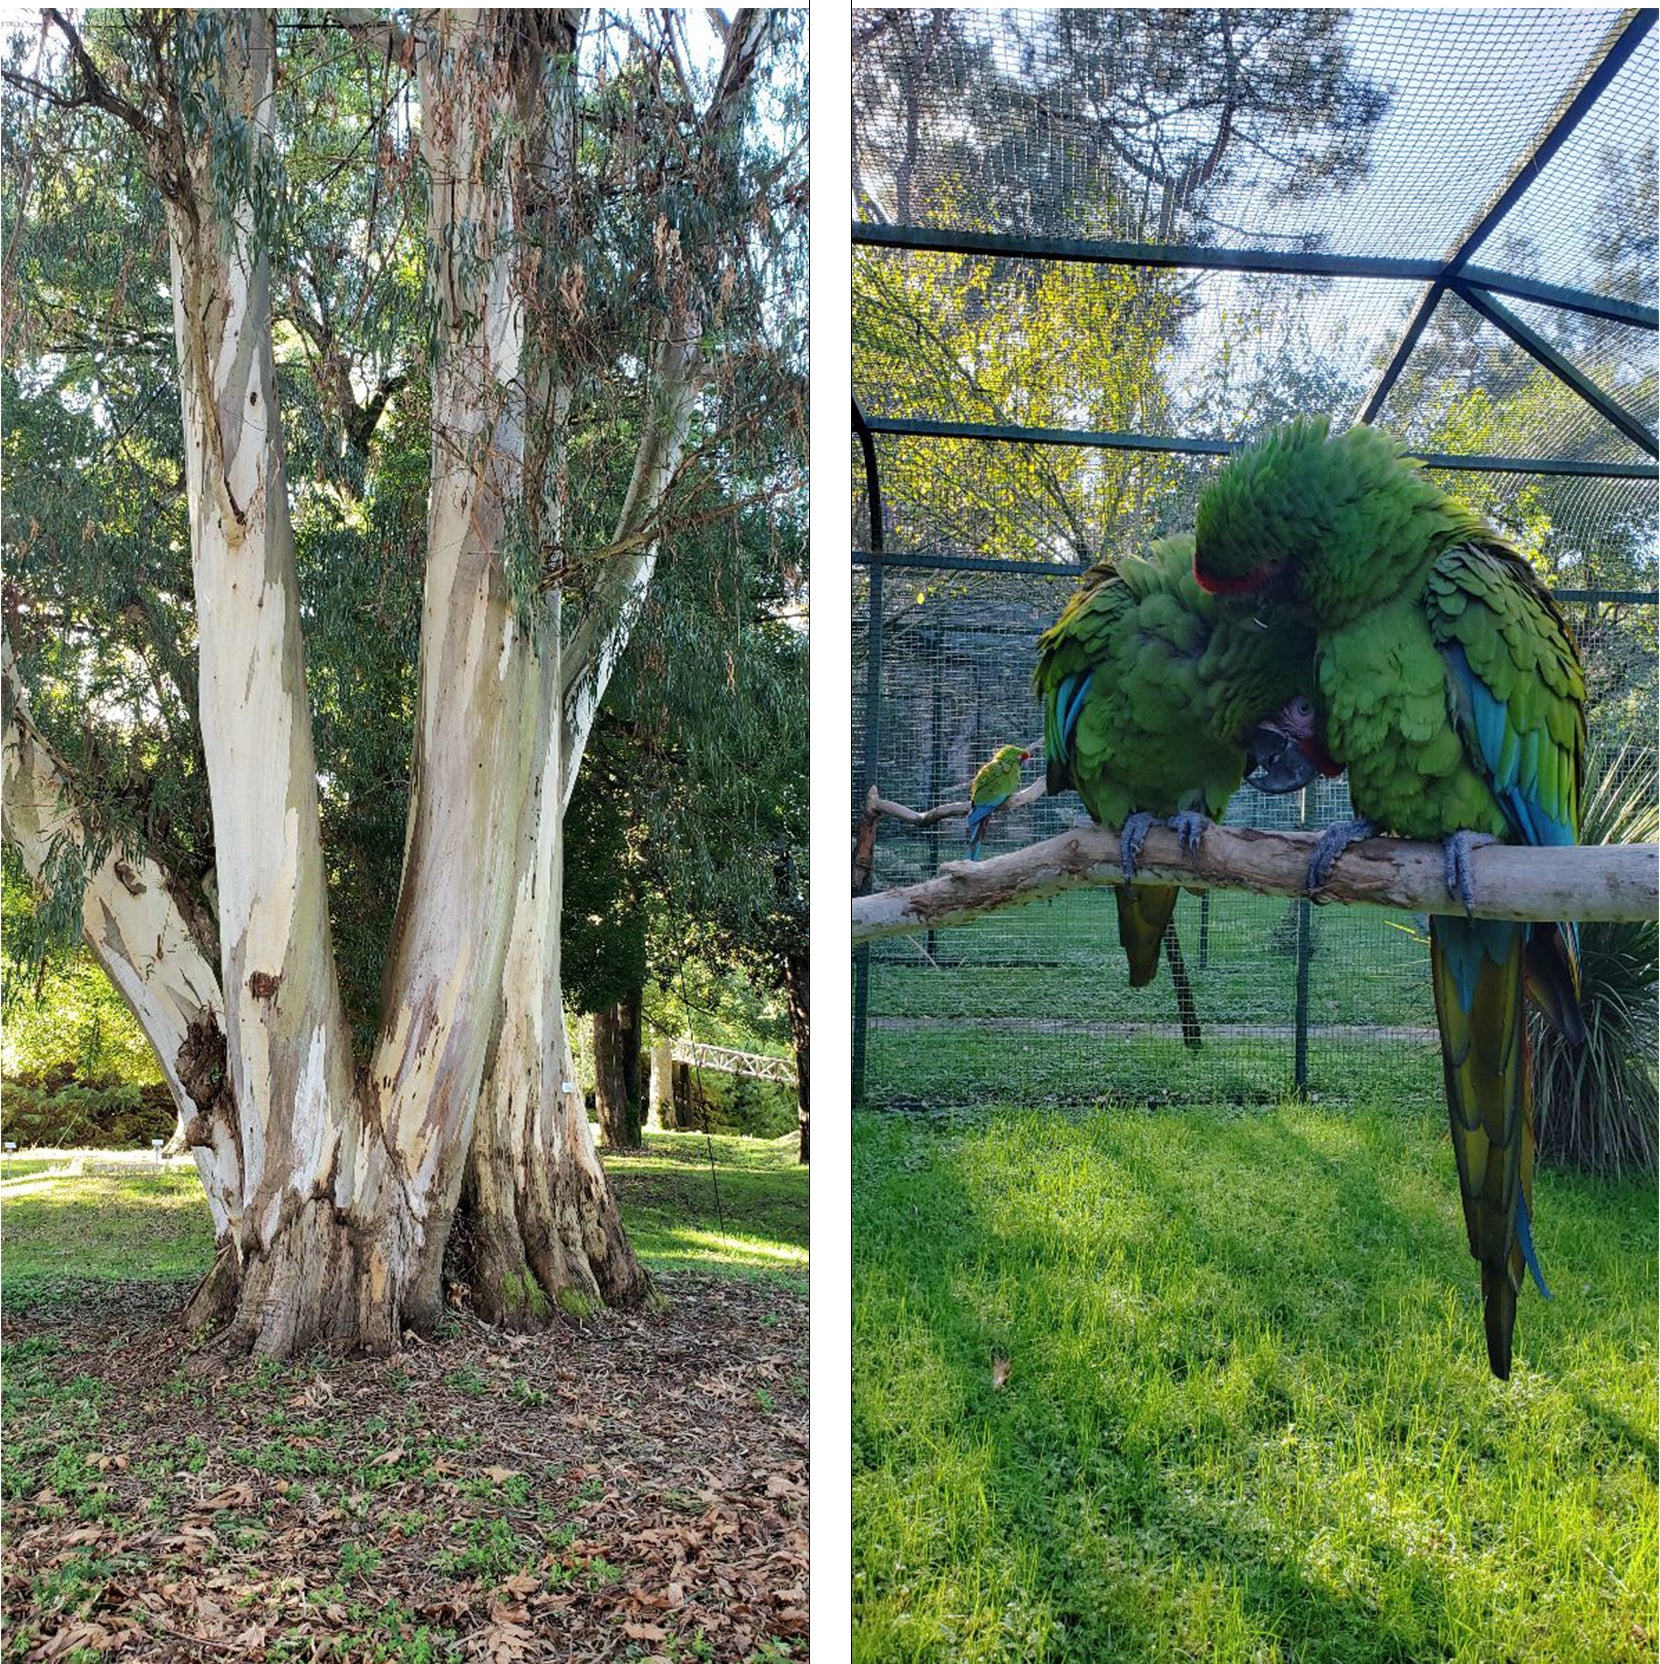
(1109, 124)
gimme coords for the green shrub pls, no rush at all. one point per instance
(1596, 1106)
(74, 1020)
(55, 1109)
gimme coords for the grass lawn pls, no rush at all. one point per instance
(626, 1486)
(1212, 1385)
(78, 1215)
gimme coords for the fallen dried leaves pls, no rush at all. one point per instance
(629, 1487)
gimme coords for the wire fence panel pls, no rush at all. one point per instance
(1367, 131)
(1441, 218)
(1033, 1003)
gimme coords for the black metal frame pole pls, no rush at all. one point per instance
(1305, 952)
(924, 428)
(1528, 170)
(873, 477)
(873, 755)
(934, 640)
(938, 560)
(1260, 262)
(873, 723)
(1538, 348)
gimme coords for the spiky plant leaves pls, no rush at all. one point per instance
(1596, 1106)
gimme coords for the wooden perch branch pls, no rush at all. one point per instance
(1583, 882)
(864, 835)
(878, 805)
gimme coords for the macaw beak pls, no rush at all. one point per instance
(1278, 761)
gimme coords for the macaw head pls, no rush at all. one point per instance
(1250, 526)
(1285, 751)
(1328, 525)
(1011, 754)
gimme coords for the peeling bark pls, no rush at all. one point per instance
(287, 1064)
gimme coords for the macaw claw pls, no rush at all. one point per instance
(1456, 852)
(1190, 828)
(1333, 841)
(1130, 840)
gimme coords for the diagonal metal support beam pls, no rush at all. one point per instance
(1536, 346)
(1626, 43)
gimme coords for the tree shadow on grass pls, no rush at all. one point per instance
(1188, 1311)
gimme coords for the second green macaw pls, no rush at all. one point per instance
(1451, 689)
(1149, 689)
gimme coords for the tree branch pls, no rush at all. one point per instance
(137, 922)
(1583, 882)
(864, 832)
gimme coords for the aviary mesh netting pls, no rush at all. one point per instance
(1095, 251)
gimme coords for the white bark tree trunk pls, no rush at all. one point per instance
(539, 1228)
(337, 1208)
(475, 742)
(307, 1264)
(156, 955)
(540, 1225)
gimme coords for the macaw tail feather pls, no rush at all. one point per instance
(1498, 1316)
(1553, 979)
(976, 827)
(1143, 913)
(1477, 968)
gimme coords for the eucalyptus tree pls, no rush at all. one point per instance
(601, 235)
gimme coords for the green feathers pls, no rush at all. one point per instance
(994, 784)
(1148, 687)
(1451, 688)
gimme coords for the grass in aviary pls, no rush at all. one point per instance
(1033, 1002)
(524, 1496)
(1368, 966)
(1211, 1384)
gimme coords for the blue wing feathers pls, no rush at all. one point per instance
(1512, 760)
(1524, 1236)
(1069, 700)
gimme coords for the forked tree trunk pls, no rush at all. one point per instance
(335, 1201)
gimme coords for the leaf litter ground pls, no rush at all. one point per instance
(633, 1486)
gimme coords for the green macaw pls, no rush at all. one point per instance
(1149, 689)
(1451, 688)
(994, 784)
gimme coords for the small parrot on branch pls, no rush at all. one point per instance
(1149, 689)
(994, 784)
(1451, 688)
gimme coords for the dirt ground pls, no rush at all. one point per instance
(631, 1486)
